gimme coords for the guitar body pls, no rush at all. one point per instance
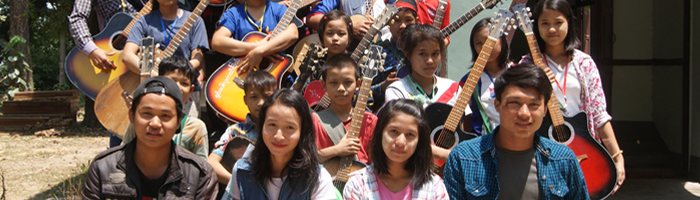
(225, 96)
(598, 168)
(88, 78)
(231, 154)
(437, 116)
(333, 165)
(111, 107)
(314, 92)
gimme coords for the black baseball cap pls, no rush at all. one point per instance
(161, 85)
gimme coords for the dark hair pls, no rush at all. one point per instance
(179, 63)
(259, 80)
(340, 61)
(413, 12)
(571, 42)
(416, 33)
(303, 169)
(333, 15)
(505, 50)
(420, 162)
(524, 75)
(135, 102)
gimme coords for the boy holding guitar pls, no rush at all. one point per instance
(258, 85)
(515, 162)
(163, 23)
(340, 79)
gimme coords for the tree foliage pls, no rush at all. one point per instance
(13, 61)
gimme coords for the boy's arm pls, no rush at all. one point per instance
(129, 57)
(222, 175)
(222, 42)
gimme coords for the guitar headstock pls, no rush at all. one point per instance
(309, 57)
(147, 54)
(523, 14)
(386, 15)
(372, 61)
(502, 20)
(488, 4)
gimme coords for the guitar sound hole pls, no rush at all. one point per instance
(561, 133)
(447, 141)
(118, 41)
(264, 64)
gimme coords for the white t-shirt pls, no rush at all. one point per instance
(400, 90)
(572, 102)
(324, 189)
(487, 97)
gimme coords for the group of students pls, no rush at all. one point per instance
(164, 153)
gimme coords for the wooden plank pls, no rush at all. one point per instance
(38, 95)
(39, 107)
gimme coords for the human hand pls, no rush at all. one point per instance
(285, 3)
(98, 57)
(348, 146)
(620, 165)
(389, 79)
(361, 28)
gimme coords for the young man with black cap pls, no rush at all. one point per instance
(152, 166)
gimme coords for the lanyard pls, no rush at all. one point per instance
(166, 35)
(250, 19)
(566, 71)
(487, 74)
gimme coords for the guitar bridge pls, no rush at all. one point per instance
(581, 157)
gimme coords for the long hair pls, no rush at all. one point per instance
(333, 15)
(416, 33)
(419, 163)
(505, 50)
(303, 168)
(571, 42)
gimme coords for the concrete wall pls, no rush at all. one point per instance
(695, 91)
(459, 56)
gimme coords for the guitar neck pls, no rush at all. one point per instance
(439, 14)
(286, 18)
(145, 10)
(553, 104)
(175, 43)
(364, 43)
(469, 85)
(449, 29)
(358, 114)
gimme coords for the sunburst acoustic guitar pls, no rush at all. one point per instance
(80, 70)
(113, 102)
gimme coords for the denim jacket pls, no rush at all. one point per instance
(471, 171)
(253, 189)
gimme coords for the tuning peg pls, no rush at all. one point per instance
(527, 8)
(529, 14)
(383, 55)
(381, 69)
(495, 14)
(363, 59)
(158, 46)
(505, 33)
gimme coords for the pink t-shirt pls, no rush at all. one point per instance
(384, 193)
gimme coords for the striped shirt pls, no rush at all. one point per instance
(363, 184)
(105, 9)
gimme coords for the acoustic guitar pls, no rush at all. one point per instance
(598, 167)
(443, 118)
(226, 98)
(340, 167)
(234, 150)
(80, 70)
(113, 101)
(309, 64)
(384, 17)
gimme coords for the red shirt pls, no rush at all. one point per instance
(369, 121)
(426, 12)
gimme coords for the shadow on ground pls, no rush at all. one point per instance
(70, 188)
(642, 189)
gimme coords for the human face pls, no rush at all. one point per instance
(480, 39)
(521, 111)
(340, 85)
(165, 3)
(335, 37)
(255, 98)
(186, 86)
(553, 27)
(403, 19)
(424, 59)
(281, 130)
(400, 138)
(155, 120)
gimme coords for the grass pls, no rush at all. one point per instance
(71, 188)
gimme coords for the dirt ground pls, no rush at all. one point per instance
(43, 167)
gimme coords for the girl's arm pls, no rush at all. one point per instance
(222, 42)
(607, 136)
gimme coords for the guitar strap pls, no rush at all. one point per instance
(369, 9)
(487, 125)
(333, 126)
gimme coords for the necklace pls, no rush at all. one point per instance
(249, 16)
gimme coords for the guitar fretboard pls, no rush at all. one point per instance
(286, 18)
(358, 114)
(145, 10)
(364, 43)
(177, 40)
(449, 29)
(553, 104)
(439, 14)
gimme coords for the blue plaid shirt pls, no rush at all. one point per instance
(471, 171)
